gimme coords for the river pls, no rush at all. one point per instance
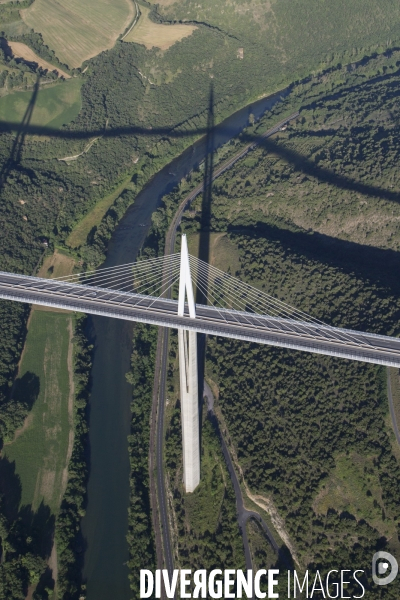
(106, 521)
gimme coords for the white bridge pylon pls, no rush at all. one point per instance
(188, 376)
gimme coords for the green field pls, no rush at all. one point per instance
(77, 30)
(41, 447)
(55, 106)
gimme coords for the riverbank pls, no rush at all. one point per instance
(105, 524)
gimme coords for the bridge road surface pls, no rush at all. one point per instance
(296, 335)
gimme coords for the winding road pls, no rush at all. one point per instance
(243, 515)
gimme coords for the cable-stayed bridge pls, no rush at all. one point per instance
(141, 292)
(238, 311)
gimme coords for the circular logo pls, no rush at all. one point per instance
(381, 561)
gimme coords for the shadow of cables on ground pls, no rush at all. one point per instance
(379, 267)
(304, 165)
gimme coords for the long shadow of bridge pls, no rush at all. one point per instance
(377, 266)
(300, 163)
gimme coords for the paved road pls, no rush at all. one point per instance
(164, 314)
(285, 333)
(217, 172)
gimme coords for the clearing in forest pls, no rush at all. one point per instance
(42, 447)
(157, 34)
(20, 50)
(77, 30)
(58, 264)
(354, 486)
(224, 254)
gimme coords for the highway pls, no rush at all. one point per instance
(284, 333)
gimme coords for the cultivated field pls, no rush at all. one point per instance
(157, 35)
(20, 50)
(55, 105)
(77, 30)
(41, 449)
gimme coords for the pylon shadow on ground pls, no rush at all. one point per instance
(14, 159)
(204, 238)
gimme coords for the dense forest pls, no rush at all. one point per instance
(141, 534)
(310, 431)
(68, 536)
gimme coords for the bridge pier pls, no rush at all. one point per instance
(188, 376)
(189, 408)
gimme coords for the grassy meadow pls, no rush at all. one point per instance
(157, 35)
(55, 106)
(354, 486)
(42, 447)
(76, 30)
(78, 235)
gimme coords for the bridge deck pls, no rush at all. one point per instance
(285, 333)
